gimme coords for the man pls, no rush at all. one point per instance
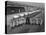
(28, 20)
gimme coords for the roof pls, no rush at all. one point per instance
(31, 4)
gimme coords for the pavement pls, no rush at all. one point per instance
(24, 29)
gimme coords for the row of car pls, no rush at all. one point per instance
(36, 21)
(20, 21)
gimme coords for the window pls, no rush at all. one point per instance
(12, 10)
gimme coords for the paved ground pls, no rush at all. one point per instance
(24, 29)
